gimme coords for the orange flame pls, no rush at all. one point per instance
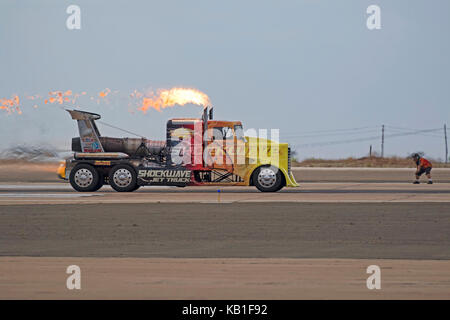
(162, 99)
(58, 96)
(104, 93)
(170, 97)
(11, 105)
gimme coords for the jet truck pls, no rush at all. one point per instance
(197, 152)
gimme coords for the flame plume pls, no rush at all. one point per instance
(163, 98)
(11, 105)
(175, 96)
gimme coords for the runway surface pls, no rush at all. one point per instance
(228, 230)
(318, 220)
(188, 243)
(54, 193)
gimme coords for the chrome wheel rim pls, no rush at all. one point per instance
(267, 177)
(83, 177)
(122, 177)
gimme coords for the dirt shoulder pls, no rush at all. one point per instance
(25, 171)
(365, 162)
(134, 278)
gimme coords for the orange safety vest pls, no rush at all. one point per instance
(424, 163)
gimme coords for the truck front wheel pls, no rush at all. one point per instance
(268, 179)
(84, 178)
(122, 178)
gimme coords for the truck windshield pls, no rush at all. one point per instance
(239, 132)
(222, 133)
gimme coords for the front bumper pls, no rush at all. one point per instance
(61, 171)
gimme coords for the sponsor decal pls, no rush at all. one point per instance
(102, 163)
(165, 176)
(90, 145)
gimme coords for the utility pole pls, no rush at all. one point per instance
(370, 151)
(446, 145)
(382, 141)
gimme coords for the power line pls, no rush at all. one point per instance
(325, 143)
(426, 134)
(412, 133)
(327, 134)
(409, 129)
(356, 131)
(414, 130)
(332, 130)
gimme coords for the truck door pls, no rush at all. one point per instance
(221, 148)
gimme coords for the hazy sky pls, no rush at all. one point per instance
(299, 66)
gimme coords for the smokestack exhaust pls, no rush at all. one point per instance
(211, 113)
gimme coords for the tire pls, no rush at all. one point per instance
(136, 187)
(122, 178)
(101, 182)
(84, 178)
(268, 179)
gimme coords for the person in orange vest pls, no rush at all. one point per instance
(423, 166)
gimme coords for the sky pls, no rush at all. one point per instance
(310, 68)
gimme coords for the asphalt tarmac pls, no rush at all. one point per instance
(226, 229)
(314, 241)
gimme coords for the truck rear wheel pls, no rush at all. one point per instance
(84, 178)
(136, 187)
(268, 179)
(122, 178)
(101, 182)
